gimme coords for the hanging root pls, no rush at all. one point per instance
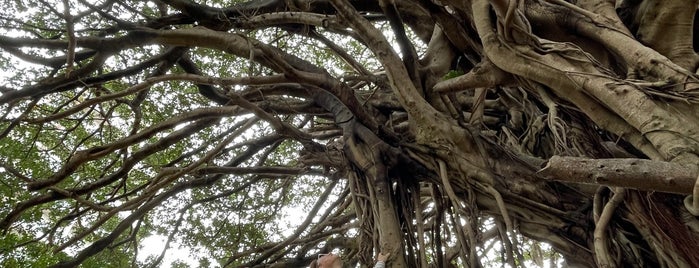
(555, 124)
(604, 258)
(488, 189)
(472, 255)
(691, 202)
(506, 218)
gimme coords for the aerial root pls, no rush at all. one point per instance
(691, 202)
(604, 258)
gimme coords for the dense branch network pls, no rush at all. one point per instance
(443, 132)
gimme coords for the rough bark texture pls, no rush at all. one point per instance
(574, 123)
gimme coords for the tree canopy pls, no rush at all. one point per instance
(447, 133)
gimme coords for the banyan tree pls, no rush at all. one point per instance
(263, 133)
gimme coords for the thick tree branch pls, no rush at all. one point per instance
(639, 58)
(485, 75)
(406, 47)
(578, 71)
(667, 27)
(646, 175)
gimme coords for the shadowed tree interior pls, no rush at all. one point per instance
(263, 133)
